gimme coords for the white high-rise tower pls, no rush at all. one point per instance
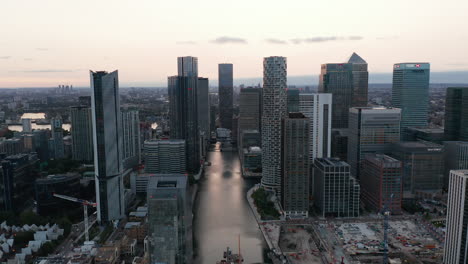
(274, 109)
(456, 238)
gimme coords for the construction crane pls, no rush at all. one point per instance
(85, 208)
(386, 216)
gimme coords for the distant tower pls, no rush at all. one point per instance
(274, 109)
(225, 78)
(108, 149)
(183, 110)
(410, 93)
(57, 136)
(456, 114)
(131, 138)
(82, 133)
(348, 83)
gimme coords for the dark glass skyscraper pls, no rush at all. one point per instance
(108, 148)
(348, 83)
(225, 78)
(410, 93)
(295, 167)
(456, 114)
(183, 115)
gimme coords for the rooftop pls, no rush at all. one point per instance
(356, 59)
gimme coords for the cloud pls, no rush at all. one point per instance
(226, 40)
(49, 71)
(276, 41)
(42, 49)
(5, 57)
(188, 42)
(387, 38)
(28, 59)
(324, 39)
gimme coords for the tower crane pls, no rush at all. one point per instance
(85, 208)
(386, 216)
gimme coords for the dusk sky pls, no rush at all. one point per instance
(50, 42)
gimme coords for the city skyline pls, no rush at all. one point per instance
(143, 46)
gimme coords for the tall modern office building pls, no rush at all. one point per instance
(187, 66)
(82, 133)
(422, 165)
(57, 137)
(381, 183)
(296, 174)
(336, 192)
(455, 158)
(410, 93)
(273, 111)
(131, 138)
(165, 156)
(169, 220)
(318, 109)
(456, 238)
(348, 82)
(203, 105)
(371, 130)
(225, 91)
(107, 138)
(183, 111)
(456, 114)
(250, 109)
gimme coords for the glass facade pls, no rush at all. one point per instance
(183, 117)
(456, 114)
(410, 93)
(226, 86)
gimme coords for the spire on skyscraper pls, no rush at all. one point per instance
(356, 59)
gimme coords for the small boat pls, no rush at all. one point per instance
(230, 258)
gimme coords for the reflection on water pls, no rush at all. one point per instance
(222, 212)
(33, 115)
(36, 126)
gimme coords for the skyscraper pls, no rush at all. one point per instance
(295, 155)
(183, 111)
(169, 220)
(107, 138)
(273, 111)
(348, 82)
(82, 133)
(371, 130)
(165, 156)
(422, 165)
(381, 183)
(187, 66)
(203, 104)
(250, 109)
(336, 192)
(410, 93)
(226, 85)
(456, 114)
(318, 109)
(131, 138)
(455, 158)
(57, 137)
(456, 238)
